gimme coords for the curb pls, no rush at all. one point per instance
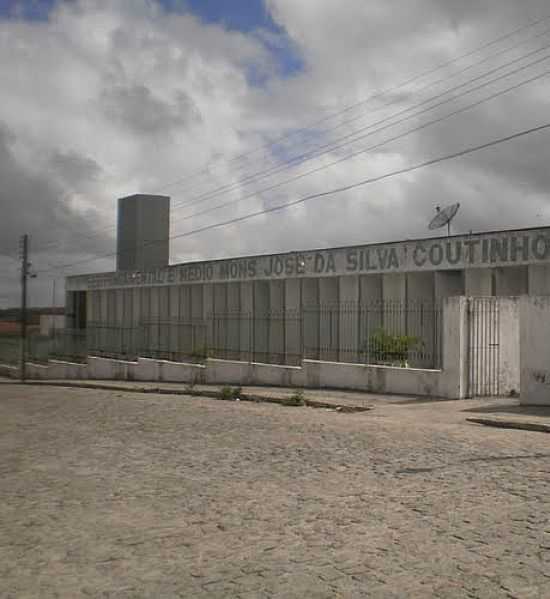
(515, 424)
(214, 394)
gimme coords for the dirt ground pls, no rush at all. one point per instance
(117, 494)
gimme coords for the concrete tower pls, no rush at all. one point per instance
(143, 232)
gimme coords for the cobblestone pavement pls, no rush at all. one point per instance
(114, 494)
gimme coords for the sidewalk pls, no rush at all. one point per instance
(343, 401)
(495, 412)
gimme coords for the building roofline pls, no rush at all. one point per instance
(340, 247)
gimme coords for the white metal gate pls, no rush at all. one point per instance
(483, 326)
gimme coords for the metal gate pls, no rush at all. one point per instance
(483, 322)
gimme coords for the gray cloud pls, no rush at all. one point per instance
(137, 108)
(132, 99)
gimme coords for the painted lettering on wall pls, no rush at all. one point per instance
(506, 248)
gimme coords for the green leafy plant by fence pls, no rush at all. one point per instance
(383, 347)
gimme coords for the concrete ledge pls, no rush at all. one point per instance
(539, 427)
(314, 374)
(374, 379)
(9, 371)
(212, 393)
(107, 368)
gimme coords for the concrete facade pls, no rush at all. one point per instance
(535, 350)
(142, 232)
(448, 382)
(321, 305)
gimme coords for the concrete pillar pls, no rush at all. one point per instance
(370, 313)
(539, 279)
(449, 283)
(144, 335)
(348, 349)
(196, 330)
(276, 322)
(329, 319)
(534, 350)
(233, 320)
(261, 321)
(208, 317)
(219, 324)
(247, 312)
(511, 280)
(421, 319)
(509, 345)
(174, 325)
(293, 321)
(311, 318)
(394, 295)
(478, 282)
(154, 337)
(455, 363)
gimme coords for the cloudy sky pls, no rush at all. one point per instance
(234, 106)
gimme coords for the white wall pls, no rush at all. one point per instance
(509, 323)
(535, 350)
(448, 382)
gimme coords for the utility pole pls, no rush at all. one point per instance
(24, 274)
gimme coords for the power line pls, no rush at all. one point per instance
(353, 138)
(373, 96)
(337, 190)
(395, 138)
(429, 123)
(306, 156)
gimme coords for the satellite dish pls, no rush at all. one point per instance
(444, 217)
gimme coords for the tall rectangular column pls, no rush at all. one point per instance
(276, 322)
(261, 321)
(348, 347)
(310, 318)
(394, 291)
(233, 320)
(246, 315)
(534, 350)
(421, 320)
(293, 322)
(329, 319)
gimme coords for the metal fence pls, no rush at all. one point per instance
(385, 332)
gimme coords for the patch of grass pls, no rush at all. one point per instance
(230, 393)
(190, 387)
(297, 398)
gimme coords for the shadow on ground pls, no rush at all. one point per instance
(511, 408)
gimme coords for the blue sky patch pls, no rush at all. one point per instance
(247, 16)
(28, 10)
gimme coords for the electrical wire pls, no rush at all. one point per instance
(373, 96)
(255, 177)
(378, 145)
(338, 190)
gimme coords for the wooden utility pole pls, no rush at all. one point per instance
(24, 276)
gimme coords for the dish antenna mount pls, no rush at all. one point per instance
(444, 217)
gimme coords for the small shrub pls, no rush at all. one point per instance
(385, 347)
(230, 393)
(200, 354)
(297, 398)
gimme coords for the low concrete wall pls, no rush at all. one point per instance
(509, 334)
(448, 383)
(535, 350)
(312, 374)
(375, 379)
